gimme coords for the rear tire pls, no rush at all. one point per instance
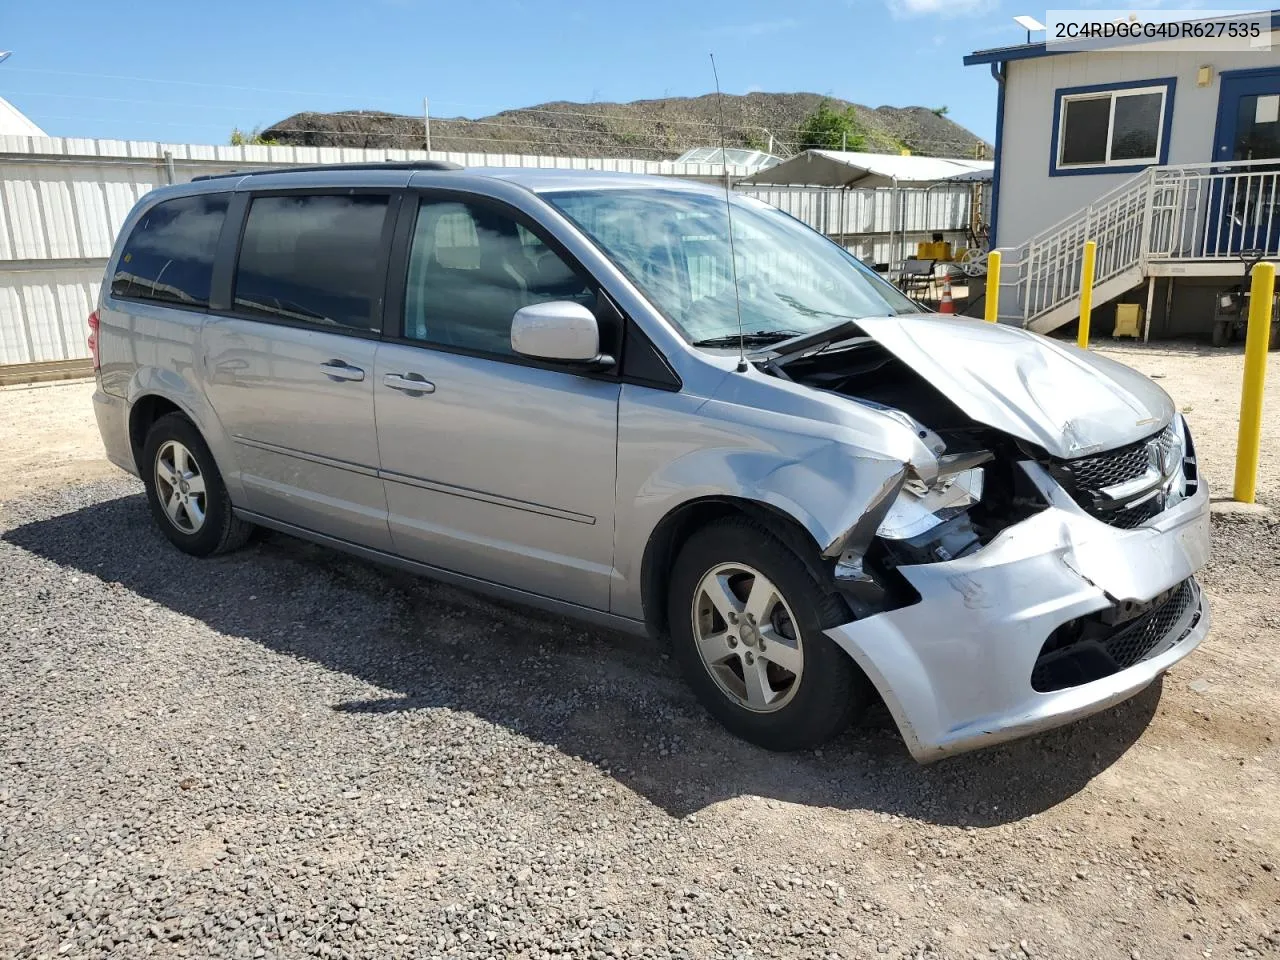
(188, 499)
(772, 677)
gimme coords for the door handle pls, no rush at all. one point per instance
(341, 370)
(414, 384)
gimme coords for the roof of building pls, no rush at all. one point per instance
(838, 168)
(13, 122)
(1027, 51)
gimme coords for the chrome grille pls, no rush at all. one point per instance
(1116, 466)
(1087, 478)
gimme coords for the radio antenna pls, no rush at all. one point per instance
(728, 209)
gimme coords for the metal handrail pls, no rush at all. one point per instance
(1194, 211)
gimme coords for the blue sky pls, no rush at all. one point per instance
(186, 72)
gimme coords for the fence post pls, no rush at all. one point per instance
(992, 309)
(1255, 371)
(1086, 292)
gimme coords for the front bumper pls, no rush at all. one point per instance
(955, 668)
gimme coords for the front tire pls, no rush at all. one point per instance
(746, 618)
(188, 499)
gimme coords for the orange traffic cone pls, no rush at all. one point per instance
(947, 305)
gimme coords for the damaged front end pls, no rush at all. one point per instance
(939, 509)
(1023, 578)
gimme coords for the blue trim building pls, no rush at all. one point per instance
(1075, 124)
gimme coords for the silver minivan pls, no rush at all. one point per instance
(604, 396)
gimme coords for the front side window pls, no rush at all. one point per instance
(169, 255)
(471, 268)
(1113, 128)
(312, 258)
(674, 245)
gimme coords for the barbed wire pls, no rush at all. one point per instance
(418, 137)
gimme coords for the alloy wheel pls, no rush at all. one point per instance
(180, 487)
(747, 637)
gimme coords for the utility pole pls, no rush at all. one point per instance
(426, 121)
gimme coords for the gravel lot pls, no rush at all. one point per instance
(286, 753)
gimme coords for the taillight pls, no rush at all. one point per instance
(94, 323)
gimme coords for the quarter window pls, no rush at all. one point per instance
(312, 258)
(471, 268)
(1112, 128)
(169, 255)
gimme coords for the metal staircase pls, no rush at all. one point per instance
(1198, 217)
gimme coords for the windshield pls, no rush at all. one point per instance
(674, 245)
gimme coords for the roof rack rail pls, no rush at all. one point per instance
(366, 165)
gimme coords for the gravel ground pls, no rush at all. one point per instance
(287, 753)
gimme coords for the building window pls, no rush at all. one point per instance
(1111, 128)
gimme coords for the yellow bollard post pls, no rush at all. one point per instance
(993, 287)
(1255, 372)
(1086, 292)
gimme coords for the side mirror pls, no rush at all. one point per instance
(559, 330)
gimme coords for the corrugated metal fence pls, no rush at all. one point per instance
(63, 199)
(877, 225)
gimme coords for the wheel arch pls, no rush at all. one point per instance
(154, 392)
(680, 523)
(144, 412)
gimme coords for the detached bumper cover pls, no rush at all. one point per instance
(955, 668)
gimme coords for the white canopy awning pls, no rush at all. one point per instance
(14, 122)
(837, 168)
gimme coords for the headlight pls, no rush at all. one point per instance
(1177, 461)
(920, 506)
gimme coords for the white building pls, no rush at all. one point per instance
(1160, 155)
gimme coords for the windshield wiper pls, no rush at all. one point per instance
(758, 338)
(811, 343)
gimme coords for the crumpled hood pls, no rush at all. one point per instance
(1069, 401)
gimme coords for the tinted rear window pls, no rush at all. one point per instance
(312, 259)
(169, 255)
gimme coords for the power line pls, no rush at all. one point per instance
(633, 116)
(662, 140)
(185, 83)
(131, 100)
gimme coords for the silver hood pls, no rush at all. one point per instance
(1069, 401)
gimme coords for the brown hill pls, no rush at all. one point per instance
(646, 129)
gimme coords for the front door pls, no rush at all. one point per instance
(493, 467)
(289, 369)
(1247, 204)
